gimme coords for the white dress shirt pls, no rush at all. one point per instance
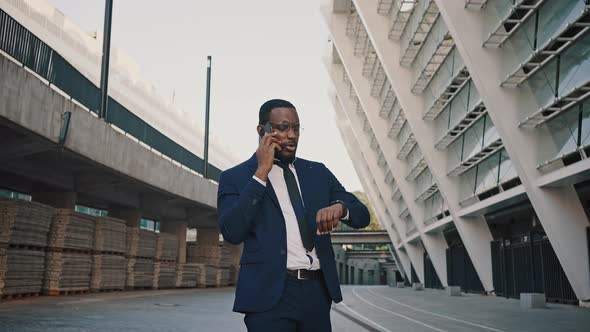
(297, 255)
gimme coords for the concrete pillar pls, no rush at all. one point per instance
(178, 229)
(349, 129)
(434, 243)
(132, 216)
(54, 197)
(559, 208)
(208, 236)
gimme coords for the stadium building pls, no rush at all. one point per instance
(468, 123)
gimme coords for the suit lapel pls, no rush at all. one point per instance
(253, 165)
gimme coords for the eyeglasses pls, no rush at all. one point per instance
(284, 127)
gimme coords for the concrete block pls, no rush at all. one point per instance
(400, 284)
(532, 300)
(417, 286)
(454, 291)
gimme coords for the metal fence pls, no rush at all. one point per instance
(431, 279)
(34, 54)
(529, 266)
(460, 270)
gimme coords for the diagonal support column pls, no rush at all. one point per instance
(559, 208)
(434, 244)
(415, 252)
(474, 231)
(401, 257)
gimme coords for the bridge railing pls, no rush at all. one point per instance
(26, 48)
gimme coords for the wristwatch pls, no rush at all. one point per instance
(343, 204)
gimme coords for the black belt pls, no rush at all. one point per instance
(304, 274)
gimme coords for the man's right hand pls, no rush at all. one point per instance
(266, 154)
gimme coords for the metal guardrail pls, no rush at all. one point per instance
(22, 45)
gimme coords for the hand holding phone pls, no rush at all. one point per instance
(265, 153)
(267, 128)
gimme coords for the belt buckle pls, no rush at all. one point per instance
(299, 276)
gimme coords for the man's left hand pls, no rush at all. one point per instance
(328, 217)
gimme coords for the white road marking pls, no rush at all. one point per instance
(435, 314)
(363, 317)
(396, 314)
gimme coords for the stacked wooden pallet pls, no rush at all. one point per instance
(71, 230)
(146, 246)
(224, 268)
(21, 271)
(205, 254)
(108, 272)
(109, 262)
(141, 258)
(24, 223)
(211, 275)
(140, 273)
(190, 275)
(110, 235)
(23, 238)
(217, 260)
(165, 275)
(69, 253)
(167, 247)
(166, 255)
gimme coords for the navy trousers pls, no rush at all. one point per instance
(303, 307)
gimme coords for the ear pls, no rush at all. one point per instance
(259, 130)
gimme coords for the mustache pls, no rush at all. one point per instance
(292, 143)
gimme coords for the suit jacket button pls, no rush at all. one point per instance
(283, 252)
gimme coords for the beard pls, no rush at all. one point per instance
(285, 159)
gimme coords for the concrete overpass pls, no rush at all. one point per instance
(359, 237)
(368, 254)
(97, 165)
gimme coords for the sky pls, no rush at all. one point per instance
(261, 49)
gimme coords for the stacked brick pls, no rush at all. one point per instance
(69, 253)
(23, 239)
(216, 259)
(166, 256)
(141, 258)
(190, 275)
(109, 264)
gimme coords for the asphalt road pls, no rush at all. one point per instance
(365, 308)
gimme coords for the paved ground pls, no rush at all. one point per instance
(374, 308)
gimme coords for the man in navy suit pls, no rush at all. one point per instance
(283, 209)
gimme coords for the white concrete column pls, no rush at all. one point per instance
(559, 208)
(177, 229)
(435, 244)
(415, 252)
(473, 231)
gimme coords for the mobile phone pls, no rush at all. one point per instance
(267, 128)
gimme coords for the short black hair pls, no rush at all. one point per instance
(264, 114)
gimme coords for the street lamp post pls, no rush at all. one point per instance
(207, 102)
(106, 52)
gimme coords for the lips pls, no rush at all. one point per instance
(290, 147)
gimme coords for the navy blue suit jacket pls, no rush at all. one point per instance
(250, 213)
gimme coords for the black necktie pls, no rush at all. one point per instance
(295, 198)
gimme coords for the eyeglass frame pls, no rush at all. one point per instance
(289, 126)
